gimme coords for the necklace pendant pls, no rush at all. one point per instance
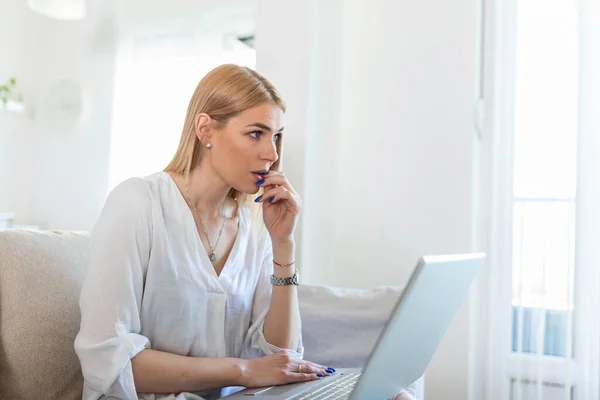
(213, 257)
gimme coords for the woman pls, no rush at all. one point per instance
(186, 292)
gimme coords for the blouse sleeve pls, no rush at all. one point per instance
(255, 343)
(111, 296)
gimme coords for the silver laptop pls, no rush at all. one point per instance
(412, 334)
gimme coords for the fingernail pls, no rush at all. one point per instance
(260, 182)
(258, 199)
(320, 375)
(271, 199)
(263, 174)
(330, 370)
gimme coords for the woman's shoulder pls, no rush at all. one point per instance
(128, 206)
(129, 192)
(136, 189)
(136, 196)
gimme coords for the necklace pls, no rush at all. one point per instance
(212, 255)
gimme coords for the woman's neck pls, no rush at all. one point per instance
(206, 190)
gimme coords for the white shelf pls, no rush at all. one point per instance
(6, 220)
(26, 227)
(14, 106)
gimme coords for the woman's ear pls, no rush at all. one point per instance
(202, 127)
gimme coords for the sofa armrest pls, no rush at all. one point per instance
(340, 326)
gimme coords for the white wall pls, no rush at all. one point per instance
(19, 48)
(71, 162)
(383, 114)
(405, 170)
(55, 176)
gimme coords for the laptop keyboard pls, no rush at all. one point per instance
(338, 388)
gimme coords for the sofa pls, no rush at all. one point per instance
(41, 274)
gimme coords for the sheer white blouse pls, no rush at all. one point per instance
(150, 284)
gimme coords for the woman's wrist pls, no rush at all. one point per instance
(242, 372)
(227, 371)
(283, 254)
(284, 251)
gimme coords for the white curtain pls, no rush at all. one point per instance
(588, 222)
(541, 335)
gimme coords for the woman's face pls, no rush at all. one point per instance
(246, 146)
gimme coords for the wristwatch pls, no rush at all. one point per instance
(293, 280)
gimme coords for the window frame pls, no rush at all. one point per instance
(493, 362)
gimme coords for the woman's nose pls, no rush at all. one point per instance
(270, 152)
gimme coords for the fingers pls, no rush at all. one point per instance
(310, 368)
(316, 372)
(279, 193)
(293, 378)
(298, 370)
(271, 191)
(321, 368)
(276, 188)
(276, 178)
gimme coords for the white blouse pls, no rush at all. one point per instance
(150, 284)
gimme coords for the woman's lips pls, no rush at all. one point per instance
(258, 175)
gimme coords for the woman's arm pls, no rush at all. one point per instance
(159, 372)
(110, 301)
(281, 208)
(282, 324)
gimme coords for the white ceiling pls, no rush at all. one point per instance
(186, 12)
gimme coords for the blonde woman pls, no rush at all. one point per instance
(187, 295)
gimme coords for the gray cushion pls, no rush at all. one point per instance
(41, 274)
(340, 326)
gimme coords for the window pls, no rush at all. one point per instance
(538, 314)
(544, 175)
(156, 75)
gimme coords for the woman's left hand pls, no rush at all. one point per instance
(281, 206)
(404, 396)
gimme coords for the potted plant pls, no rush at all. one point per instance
(8, 93)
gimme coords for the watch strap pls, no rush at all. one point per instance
(293, 280)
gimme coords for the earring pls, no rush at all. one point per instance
(208, 145)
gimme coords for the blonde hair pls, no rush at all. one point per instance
(223, 93)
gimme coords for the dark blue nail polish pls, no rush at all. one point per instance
(263, 174)
(330, 370)
(258, 199)
(260, 182)
(320, 375)
(271, 199)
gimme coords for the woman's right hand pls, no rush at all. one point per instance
(279, 369)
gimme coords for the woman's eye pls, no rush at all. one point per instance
(276, 137)
(255, 134)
